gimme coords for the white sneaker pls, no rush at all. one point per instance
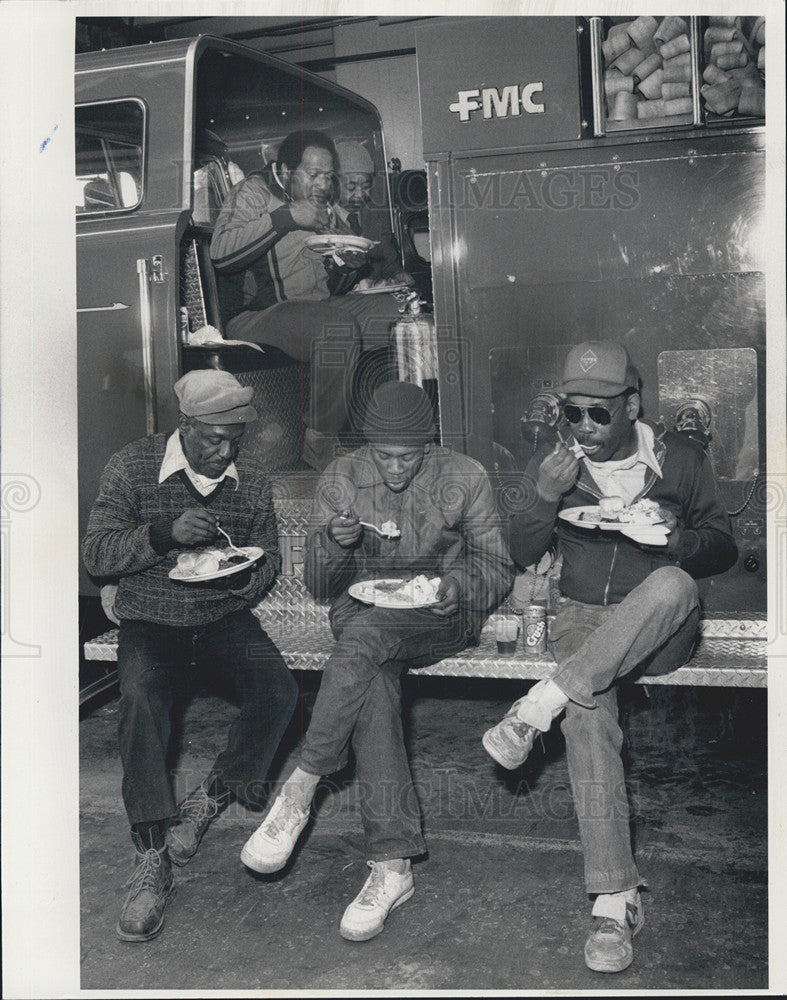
(383, 891)
(271, 844)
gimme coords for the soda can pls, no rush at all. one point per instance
(535, 629)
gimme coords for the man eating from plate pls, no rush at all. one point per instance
(381, 267)
(160, 498)
(628, 604)
(274, 287)
(442, 506)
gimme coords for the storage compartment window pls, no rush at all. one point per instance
(110, 156)
(733, 74)
(647, 65)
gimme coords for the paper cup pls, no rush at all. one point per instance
(670, 28)
(681, 106)
(629, 61)
(725, 48)
(651, 86)
(625, 107)
(650, 109)
(752, 101)
(713, 74)
(730, 60)
(671, 91)
(675, 47)
(722, 98)
(615, 45)
(642, 30)
(678, 69)
(647, 66)
(615, 81)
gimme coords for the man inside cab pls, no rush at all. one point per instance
(365, 217)
(274, 289)
(161, 502)
(435, 518)
(629, 603)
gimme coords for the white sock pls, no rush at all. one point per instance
(398, 865)
(541, 705)
(300, 787)
(613, 904)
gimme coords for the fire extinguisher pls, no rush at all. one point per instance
(416, 343)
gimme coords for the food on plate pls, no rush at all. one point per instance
(613, 510)
(418, 590)
(611, 506)
(389, 528)
(208, 562)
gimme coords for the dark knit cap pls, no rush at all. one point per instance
(399, 414)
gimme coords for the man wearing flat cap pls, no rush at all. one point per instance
(438, 518)
(161, 497)
(629, 603)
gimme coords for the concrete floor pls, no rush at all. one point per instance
(499, 901)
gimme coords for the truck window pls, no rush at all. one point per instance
(109, 142)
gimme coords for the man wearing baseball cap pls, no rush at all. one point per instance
(629, 603)
(439, 521)
(160, 497)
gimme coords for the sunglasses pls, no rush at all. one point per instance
(598, 414)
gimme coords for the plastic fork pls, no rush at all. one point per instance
(232, 544)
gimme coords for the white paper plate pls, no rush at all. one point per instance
(253, 552)
(380, 289)
(573, 516)
(329, 243)
(370, 592)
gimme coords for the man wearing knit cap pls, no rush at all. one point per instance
(629, 603)
(366, 216)
(439, 521)
(162, 497)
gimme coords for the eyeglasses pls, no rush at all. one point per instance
(598, 414)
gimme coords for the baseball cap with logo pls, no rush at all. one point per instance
(600, 368)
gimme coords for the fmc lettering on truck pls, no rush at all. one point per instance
(498, 104)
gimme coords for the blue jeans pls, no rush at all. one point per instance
(157, 662)
(654, 628)
(360, 702)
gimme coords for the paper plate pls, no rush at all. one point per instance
(380, 593)
(379, 289)
(574, 516)
(329, 243)
(253, 552)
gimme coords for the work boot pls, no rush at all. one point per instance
(510, 741)
(195, 814)
(383, 891)
(617, 918)
(149, 889)
(271, 844)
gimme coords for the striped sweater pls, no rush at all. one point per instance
(259, 253)
(129, 536)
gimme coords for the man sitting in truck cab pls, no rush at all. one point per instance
(436, 514)
(274, 290)
(160, 504)
(628, 603)
(363, 217)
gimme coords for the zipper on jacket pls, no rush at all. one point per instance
(611, 568)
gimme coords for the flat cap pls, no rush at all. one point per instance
(215, 397)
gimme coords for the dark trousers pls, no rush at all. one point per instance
(329, 335)
(360, 701)
(157, 663)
